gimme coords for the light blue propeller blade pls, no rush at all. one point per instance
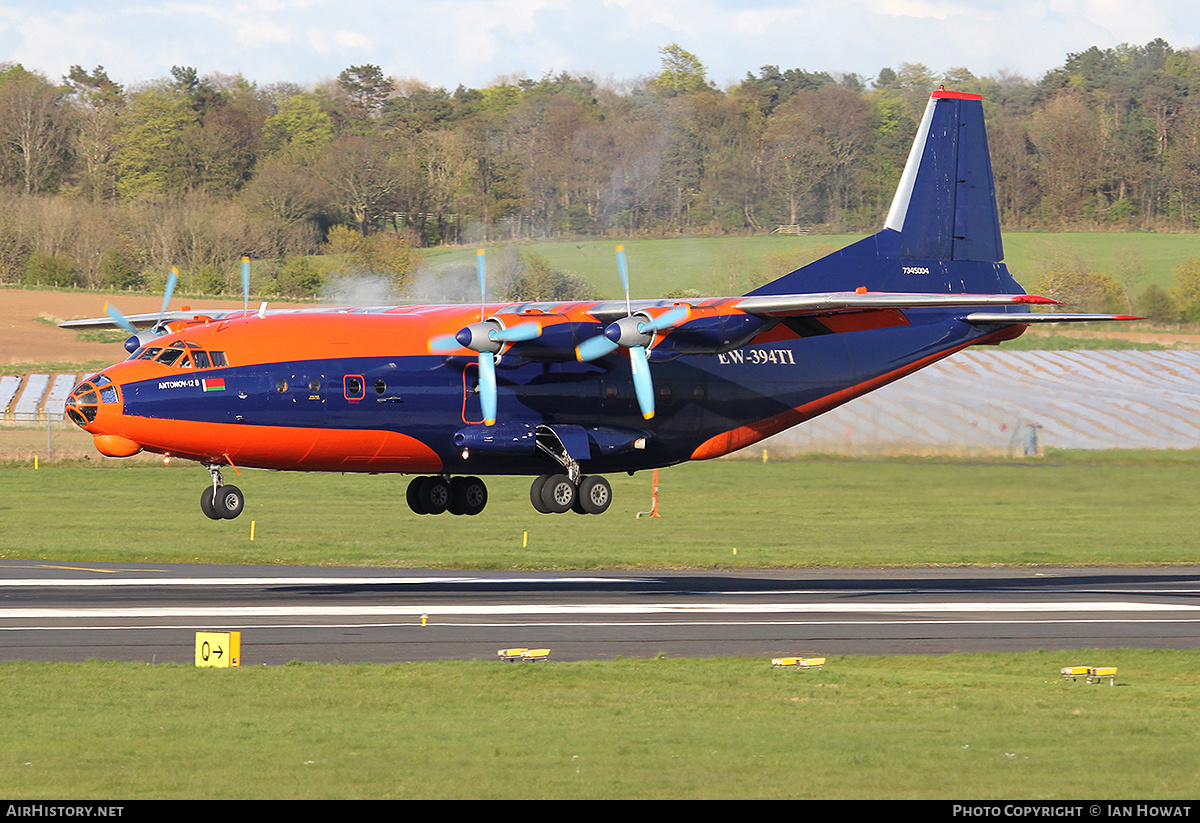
(642, 385)
(666, 320)
(517, 333)
(624, 269)
(481, 273)
(487, 386)
(444, 343)
(245, 284)
(171, 281)
(120, 319)
(594, 347)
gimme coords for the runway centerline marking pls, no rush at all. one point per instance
(272, 582)
(610, 624)
(589, 608)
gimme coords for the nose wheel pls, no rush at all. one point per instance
(221, 501)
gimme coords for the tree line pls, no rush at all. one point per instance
(103, 185)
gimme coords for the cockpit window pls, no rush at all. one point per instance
(169, 356)
(81, 406)
(176, 356)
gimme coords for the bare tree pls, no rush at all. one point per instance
(32, 129)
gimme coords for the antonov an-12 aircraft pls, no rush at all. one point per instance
(567, 392)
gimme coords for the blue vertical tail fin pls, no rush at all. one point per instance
(942, 233)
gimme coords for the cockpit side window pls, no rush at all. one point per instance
(201, 358)
(169, 356)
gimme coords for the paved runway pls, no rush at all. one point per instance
(70, 611)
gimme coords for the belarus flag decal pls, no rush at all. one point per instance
(214, 384)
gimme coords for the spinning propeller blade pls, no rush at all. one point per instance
(141, 338)
(635, 333)
(118, 318)
(444, 344)
(643, 386)
(623, 268)
(172, 279)
(594, 348)
(487, 386)
(487, 337)
(246, 284)
(481, 273)
(516, 334)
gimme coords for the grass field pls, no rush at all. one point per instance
(1083, 508)
(978, 727)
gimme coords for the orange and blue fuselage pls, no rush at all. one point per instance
(360, 391)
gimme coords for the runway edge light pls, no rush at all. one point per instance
(219, 650)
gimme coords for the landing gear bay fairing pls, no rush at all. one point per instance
(566, 392)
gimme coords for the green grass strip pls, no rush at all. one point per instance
(1086, 508)
(979, 726)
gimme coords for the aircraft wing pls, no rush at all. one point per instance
(790, 305)
(781, 305)
(148, 321)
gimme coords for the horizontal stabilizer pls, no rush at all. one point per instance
(982, 318)
(792, 304)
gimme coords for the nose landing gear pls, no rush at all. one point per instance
(221, 501)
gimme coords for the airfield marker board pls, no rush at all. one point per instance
(222, 650)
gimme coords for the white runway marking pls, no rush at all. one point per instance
(303, 581)
(590, 608)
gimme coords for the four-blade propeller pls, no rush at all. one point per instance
(636, 333)
(141, 338)
(488, 337)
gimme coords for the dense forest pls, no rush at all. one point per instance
(103, 185)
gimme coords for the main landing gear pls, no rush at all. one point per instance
(556, 493)
(437, 494)
(221, 501)
(568, 489)
(550, 494)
